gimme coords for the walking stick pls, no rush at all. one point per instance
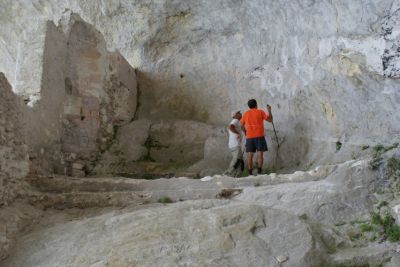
(276, 136)
(277, 140)
(273, 125)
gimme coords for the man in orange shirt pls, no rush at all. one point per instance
(253, 125)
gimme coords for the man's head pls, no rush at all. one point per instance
(236, 114)
(252, 103)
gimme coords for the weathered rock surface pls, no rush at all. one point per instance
(201, 233)
(329, 68)
(172, 143)
(342, 195)
(262, 220)
(14, 219)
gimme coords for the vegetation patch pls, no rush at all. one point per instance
(377, 152)
(366, 227)
(165, 200)
(245, 173)
(393, 172)
(147, 176)
(268, 171)
(385, 225)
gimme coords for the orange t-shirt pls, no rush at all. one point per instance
(253, 121)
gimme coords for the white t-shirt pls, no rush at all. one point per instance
(233, 139)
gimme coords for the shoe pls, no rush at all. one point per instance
(259, 171)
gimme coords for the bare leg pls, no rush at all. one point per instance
(250, 161)
(260, 159)
(235, 155)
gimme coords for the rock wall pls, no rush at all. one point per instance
(14, 163)
(172, 145)
(329, 68)
(86, 92)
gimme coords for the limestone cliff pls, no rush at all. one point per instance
(329, 68)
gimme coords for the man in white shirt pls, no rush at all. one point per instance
(235, 143)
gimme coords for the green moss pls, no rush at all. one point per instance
(377, 150)
(393, 166)
(245, 172)
(267, 171)
(388, 259)
(387, 226)
(366, 227)
(148, 177)
(375, 218)
(393, 233)
(165, 200)
(393, 172)
(387, 221)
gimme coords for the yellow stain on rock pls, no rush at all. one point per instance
(342, 65)
(328, 111)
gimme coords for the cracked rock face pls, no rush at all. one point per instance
(329, 69)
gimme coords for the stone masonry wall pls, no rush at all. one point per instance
(13, 152)
(86, 93)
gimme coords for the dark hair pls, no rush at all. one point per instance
(252, 103)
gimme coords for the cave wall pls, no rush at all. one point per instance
(330, 69)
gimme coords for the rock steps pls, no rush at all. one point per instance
(67, 192)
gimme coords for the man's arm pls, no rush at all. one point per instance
(242, 123)
(232, 128)
(269, 118)
(243, 128)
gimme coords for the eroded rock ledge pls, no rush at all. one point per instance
(310, 218)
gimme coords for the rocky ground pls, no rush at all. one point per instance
(312, 218)
(143, 89)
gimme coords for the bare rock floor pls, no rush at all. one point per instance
(268, 220)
